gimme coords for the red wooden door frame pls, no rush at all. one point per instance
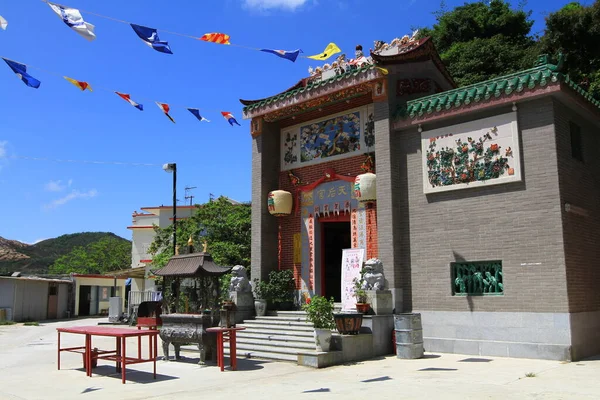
(322, 221)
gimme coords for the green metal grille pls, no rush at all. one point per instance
(478, 278)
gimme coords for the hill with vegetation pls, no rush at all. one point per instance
(86, 252)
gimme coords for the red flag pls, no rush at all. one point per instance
(165, 108)
(219, 38)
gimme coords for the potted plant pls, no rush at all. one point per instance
(261, 291)
(281, 289)
(319, 311)
(362, 304)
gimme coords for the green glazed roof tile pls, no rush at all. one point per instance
(539, 76)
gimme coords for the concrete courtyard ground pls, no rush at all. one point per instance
(28, 371)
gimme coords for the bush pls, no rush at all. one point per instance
(319, 311)
(281, 286)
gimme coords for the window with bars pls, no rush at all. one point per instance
(477, 278)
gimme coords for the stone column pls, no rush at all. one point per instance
(387, 209)
(265, 178)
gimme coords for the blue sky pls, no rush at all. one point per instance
(44, 199)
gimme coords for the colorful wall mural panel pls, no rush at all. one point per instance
(476, 153)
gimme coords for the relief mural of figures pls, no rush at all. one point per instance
(331, 137)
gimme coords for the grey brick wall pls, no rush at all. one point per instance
(516, 223)
(265, 178)
(580, 186)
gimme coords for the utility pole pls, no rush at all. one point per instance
(211, 197)
(189, 196)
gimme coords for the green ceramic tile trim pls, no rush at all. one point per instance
(309, 86)
(541, 75)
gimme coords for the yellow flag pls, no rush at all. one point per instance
(81, 85)
(383, 70)
(330, 50)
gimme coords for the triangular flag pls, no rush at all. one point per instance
(21, 71)
(72, 17)
(81, 85)
(165, 108)
(196, 113)
(288, 55)
(219, 38)
(150, 37)
(330, 50)
(229, 117)
(127, 98)
(3, 23)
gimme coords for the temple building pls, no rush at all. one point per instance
(482, 202)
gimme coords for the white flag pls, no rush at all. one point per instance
(72, 17)
(3, 23)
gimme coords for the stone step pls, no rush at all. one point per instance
(287, 313)
(268, 355)
(276, 325)
(271, 342)
(275, 336)
(249, 347)
(277, 331)
(283, 318)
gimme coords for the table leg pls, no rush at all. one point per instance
(118, 362)
(88, 354)
(123, 356)
(150, 347)
(221, 350)
(58, 349)
(155, 351)
(139, 344)
(232, 351)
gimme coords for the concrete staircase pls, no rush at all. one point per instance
(277, 336)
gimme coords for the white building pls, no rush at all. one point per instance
(142, 235)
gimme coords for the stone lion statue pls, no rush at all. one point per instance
(373, 277)
(239, 280)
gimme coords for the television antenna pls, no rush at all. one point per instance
(189, 196)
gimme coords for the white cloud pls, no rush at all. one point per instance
(272, 4)
(75, 194)
(54, 186)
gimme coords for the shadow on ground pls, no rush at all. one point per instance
(132, 375)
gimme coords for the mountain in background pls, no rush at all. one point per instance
(37, 258)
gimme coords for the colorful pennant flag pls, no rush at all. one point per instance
(127, 98)
(81, 85)
(330, 50)
(219, 38)
(3, 23)
(196, 113)
(165, 108)
(21, 71)
(150, 37)
(288, 55)
(72, 17)
(229, 117)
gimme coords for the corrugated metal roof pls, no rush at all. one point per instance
(195, 264)
(36, 279)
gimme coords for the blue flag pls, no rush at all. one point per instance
(150, 37)
(196, 113)
(288, 55)
(21, 71)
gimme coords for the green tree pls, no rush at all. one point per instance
(104, 255)
(483, 40)
(223, 225)
(574, 30)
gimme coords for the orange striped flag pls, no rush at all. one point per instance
(219, 38)
(81, 85)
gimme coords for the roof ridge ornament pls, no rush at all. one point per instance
(396, 46)
(544, 60)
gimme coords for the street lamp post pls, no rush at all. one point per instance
(172, 167)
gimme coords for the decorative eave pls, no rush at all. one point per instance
(420, 50)
(527, 84)
(315, 94)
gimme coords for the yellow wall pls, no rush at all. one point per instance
(95, 281)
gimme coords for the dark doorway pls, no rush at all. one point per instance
(336, 237)
(85, 298)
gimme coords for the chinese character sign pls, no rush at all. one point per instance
(352, 261)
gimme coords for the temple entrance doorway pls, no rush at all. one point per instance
(335, 236)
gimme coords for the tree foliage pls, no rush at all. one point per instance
(574, 30)
(223, 225)
(104, 255)
(483, 40)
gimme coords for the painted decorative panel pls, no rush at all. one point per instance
(337, 136)
(477, 278)
(476, 153)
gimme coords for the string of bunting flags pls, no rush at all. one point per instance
(22, 73)
(73, 19)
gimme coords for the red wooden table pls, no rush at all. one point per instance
(119, 355)
(226, 335)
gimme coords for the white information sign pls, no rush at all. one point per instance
(352, 262)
